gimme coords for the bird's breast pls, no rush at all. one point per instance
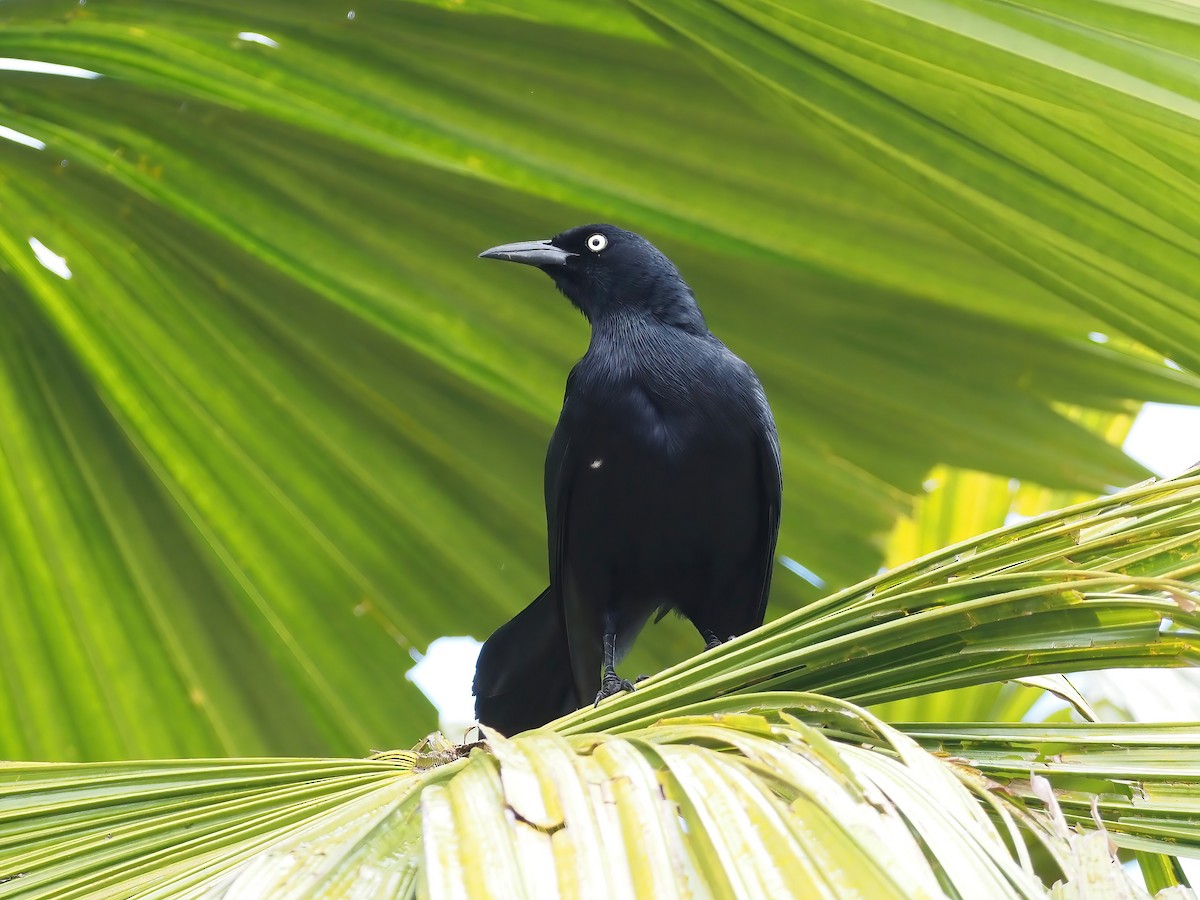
(644, 451)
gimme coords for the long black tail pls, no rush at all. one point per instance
(523, 677)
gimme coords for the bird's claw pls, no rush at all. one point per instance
(640, 679)
(611, 686)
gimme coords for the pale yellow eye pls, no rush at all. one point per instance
(597, 242)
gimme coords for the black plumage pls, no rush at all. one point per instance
(662, 484)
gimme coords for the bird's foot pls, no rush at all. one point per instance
(612, 685)
(711, 641)
(640, 679)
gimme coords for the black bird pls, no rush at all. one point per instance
(662, 484)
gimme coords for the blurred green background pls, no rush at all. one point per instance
(268, 427)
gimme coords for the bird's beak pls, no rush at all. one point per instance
(531, 253)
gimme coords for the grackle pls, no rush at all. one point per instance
(662, 484)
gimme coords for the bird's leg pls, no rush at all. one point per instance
(612, 683)
(711, 640)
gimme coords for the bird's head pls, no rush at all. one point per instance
(607, 271)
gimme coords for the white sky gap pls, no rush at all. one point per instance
(257, 38)
(803, 571)
(21, 138)
(8, 64)
(49, 259)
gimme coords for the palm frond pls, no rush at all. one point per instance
(1139, 780)
(275, 433)
(793, 796)
(1040, 131)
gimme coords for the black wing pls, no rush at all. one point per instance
(561, 470)
(770, 487)
(557, 486)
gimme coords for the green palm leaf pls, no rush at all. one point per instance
(821, 800)
(1047, 133)
(278, 430)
